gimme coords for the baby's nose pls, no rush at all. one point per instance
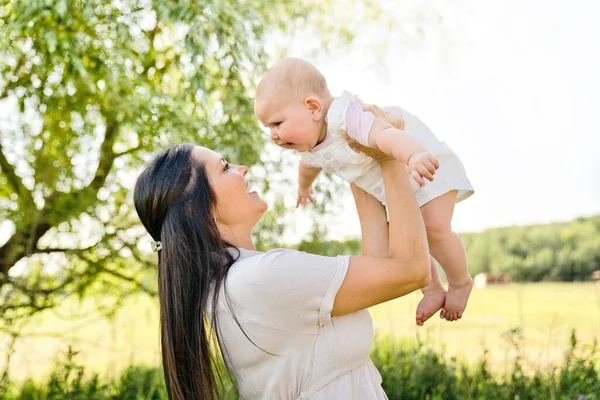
(274, 136)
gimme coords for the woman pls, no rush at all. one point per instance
(290, 325)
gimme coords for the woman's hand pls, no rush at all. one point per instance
(379, 156)
(375, 154)
(396, 122)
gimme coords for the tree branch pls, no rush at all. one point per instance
(77, 250)
(23, 243)
(10, 83)
(76, 202)
(131, 151)
(31, 307)
(14, 336)
(107, 157)
(13, 179)
(149, 60)
(62, 250)
(126, 278)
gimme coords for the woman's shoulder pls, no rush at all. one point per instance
(278, 263)
(266, 258)
(284, 289)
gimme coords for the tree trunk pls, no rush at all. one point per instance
(21, 244)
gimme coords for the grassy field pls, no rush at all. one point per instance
(546, 314)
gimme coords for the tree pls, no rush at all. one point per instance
(561, 251)
(89, 89)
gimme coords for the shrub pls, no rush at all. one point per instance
(410, 370)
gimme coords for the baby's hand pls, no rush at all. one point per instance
(422, 165)
(303, 196)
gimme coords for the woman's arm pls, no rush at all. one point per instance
(372, 279)
(373, 223)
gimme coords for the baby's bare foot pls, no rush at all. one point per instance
(432, 302)
(456, 300)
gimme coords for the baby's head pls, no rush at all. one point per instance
(292, 100)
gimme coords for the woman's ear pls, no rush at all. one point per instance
(314, 106)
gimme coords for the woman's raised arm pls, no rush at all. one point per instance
(377, 276)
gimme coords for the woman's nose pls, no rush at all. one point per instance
(243, 169)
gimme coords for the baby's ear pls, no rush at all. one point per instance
(314, 106)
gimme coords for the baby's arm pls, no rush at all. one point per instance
(398, 144)
(306, 176)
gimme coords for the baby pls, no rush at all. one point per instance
(294, 103)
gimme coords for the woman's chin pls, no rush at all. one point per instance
(260, 213)
(265, 205)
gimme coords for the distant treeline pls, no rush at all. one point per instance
(562, 251)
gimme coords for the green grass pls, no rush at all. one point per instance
(546, 312)
(410, 370)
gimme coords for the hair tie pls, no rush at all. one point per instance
(156, 246)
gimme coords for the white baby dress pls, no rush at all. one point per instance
(334, 155)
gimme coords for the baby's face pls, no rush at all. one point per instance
(290, 123)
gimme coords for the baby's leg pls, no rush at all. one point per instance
(433, 299)
(447, 248)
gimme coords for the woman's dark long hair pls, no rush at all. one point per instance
(175, 202)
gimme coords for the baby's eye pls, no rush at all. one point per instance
(226, 167)
(277, 123)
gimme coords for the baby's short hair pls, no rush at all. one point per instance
(297, 77)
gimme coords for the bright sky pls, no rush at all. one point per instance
(514, 88)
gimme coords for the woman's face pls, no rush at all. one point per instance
(237, 203)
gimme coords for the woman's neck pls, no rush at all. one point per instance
(237, 237)
(246, 244)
